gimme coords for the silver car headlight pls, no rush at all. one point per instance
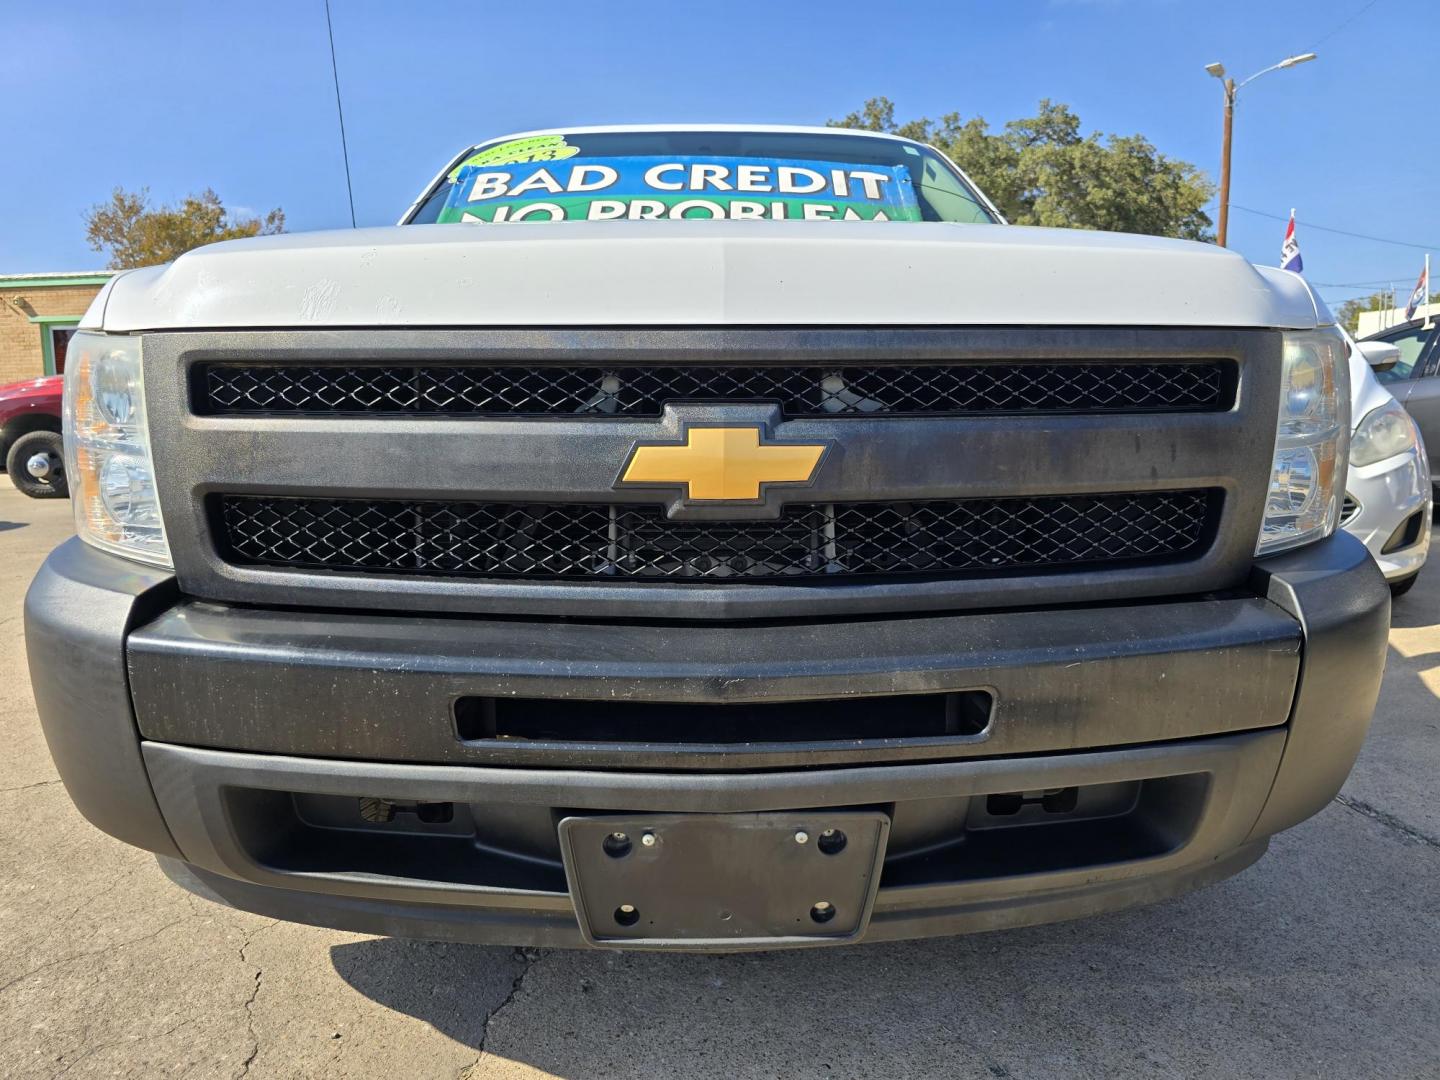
(1311, 442)
(107, 449)
(1387, 430)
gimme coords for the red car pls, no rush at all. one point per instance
(30, 444)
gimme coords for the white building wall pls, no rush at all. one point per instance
(1372, 322)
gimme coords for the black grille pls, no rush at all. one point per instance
(569, 540)
(840, 390)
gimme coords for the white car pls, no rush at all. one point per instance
(1388, 493)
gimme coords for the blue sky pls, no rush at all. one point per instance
(180, 96)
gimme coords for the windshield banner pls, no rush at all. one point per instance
(646, 188)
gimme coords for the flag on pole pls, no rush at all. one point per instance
(1420, 293)
(1290, 249)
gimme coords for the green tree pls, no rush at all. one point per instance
(1348, 314)
(136, 234)
(1042, 170)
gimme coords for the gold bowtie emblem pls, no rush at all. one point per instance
(717, 463)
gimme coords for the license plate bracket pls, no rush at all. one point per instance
(719, 881)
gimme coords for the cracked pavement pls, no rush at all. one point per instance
(1323, 959)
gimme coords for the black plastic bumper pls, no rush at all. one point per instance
(385, 688)
(1191, 730)
(228, 809)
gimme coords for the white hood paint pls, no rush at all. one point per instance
(704, 273)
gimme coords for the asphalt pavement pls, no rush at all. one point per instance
(1321, 960)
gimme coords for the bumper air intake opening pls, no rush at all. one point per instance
(1406, 534)
(508, 847)
(567, 723)
(947, 839)
(1052, 829)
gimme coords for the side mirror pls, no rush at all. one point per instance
(1380, 355)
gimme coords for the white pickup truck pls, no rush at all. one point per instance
(704, 538)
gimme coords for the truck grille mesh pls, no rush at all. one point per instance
(571, 540)
(814, 391)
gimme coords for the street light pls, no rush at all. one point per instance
(1231, 89)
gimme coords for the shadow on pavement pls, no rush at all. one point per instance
(1285, 970)
(1397, 766)
(6, 526)
(433, 981)
(1416, 610)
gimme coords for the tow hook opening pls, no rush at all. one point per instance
(1051, 800)
(381, 811)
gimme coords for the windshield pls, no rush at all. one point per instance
(642, 175)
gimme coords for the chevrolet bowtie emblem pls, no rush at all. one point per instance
(723, 463)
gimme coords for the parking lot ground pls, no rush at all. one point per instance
(1321, 960)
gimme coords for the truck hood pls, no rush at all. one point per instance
(706, 273)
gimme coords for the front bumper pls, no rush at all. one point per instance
(236, 743)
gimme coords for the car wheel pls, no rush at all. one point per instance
(1404, 585)
(36, 464)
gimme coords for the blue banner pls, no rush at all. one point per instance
(691, 187)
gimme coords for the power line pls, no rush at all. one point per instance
(1359, 284)
(1344, 23)
(344, 149)
(1339, 232)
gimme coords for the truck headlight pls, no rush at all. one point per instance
(1311, 442)
(1387, 430)
(107, 449)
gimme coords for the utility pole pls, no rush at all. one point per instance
(1225, 162)
(1232, 88)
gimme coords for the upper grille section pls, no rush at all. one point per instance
(943, 389)
(580, 541)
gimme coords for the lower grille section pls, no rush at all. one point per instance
(598, 542)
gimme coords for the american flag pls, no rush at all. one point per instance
(1290, 250)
